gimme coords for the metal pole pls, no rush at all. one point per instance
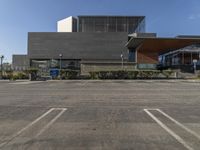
(122, 63)
(122, 57)
(2, 66)
(199, 56)
(60, 55)
(60, 63)
(183, 61)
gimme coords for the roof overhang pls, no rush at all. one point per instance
(160, 45)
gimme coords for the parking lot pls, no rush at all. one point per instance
(100, 115)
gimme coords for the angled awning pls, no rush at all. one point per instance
(160, 45)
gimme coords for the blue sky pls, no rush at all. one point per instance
(18, 17)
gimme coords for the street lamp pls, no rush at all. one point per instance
(122, 57)
(60, 55)
(1, 57)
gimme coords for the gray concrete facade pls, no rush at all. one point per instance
(83, 46)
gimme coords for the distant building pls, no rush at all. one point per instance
(90, 43)
(97, 44)
(6, 67)
(20, 62)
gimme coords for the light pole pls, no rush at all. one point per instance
(2, 57)
(122, 57)
(60, 55)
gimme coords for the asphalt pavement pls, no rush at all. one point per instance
(100, 115)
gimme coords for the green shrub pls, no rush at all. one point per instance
(8, 75)
(103, 75)
(93, 75)
(121, 75)
(198, 76)
(167, 73)
(125, 74)
(133, 74)
(19, 76)
(113, 74)
(148, 74)
(22, 75)
(69, 74)
(14, 77)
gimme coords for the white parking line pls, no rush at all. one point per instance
(51, 122)
(26, 82)
(34, 122)
(179, 124)
(26, 127)
(177, 137)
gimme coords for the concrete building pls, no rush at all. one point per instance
(20, 62)
(91, 43)
(6, 67)
(98, 44)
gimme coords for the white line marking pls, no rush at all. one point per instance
(51, 122)
(26, 82)
(60, 109)
(25, 128)
(178, 138)
(179, 124)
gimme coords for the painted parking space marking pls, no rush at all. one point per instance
(26, 82)
(51, 122)
(179, 124)
(173, 134)
(62, 110)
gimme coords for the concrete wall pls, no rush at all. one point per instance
(83, 46)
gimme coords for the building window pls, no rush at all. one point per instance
(131, 55)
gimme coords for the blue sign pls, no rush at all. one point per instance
(54, 72)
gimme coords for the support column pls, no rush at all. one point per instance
(183, 58)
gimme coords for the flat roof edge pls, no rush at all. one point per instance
(129, 16)
(167, 38)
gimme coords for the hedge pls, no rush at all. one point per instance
(19, 75)
(121, 74)
(133, 74)
(146, 74)
(69, 74)
(167, 73)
